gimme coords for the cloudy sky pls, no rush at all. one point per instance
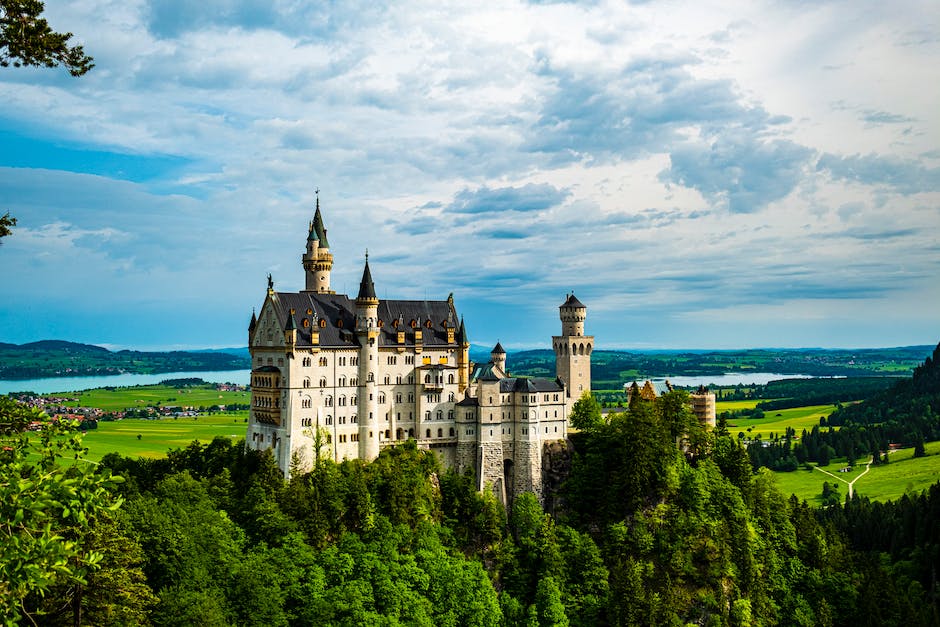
(702, 174)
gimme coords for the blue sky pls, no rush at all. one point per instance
(709, 174)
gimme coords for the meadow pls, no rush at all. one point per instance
(882, 483)
(158, 436)
(116, 399)
(774, 421)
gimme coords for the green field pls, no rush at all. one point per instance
(776, 421)
(882, 483)
(159, 436)
(115, 399)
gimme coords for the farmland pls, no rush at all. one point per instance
(117, 399)
(160, 435)
(902, 474)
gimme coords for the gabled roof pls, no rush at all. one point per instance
(521, 384)
(498, 349)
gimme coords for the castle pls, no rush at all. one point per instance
(344, 377)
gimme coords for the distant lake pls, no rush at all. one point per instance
(728, 379)
(243, 377)
(73, 384)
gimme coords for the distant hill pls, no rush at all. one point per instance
(58, 358)
(610, 369)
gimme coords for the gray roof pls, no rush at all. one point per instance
(520, 384)
(339, 313)
(572, 301)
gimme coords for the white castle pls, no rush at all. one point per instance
(344, 377)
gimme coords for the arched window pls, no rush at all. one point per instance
(381, 399)
(398, 433)
(306, 382)
(388, 434)
(307, 403)
(387, 380)
(398, 379)
(427, 415)
(354, 419)
(398, 398)
(328, 401)
(440, 415)
(341, 382)
(451, 432)
(329, 419)
(342, 401)
(450, 378)
(440, 433)
(427, 378)
(451, 398)
(322, 382)
(411, 433)
(427, 433)
(353, 400)
(450, 414)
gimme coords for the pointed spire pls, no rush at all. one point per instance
(462, 333)
(498, 349)
(318, 227)
(291, 325)
(254, 321)
(366, 286)
(312, 233)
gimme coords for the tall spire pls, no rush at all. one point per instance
(318, 227)
(366, 286)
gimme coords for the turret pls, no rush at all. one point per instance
(290, 332)
(463, 358)
(251, 328)
(498, 357)
(572, 313)
(317, 260)
(367, 330)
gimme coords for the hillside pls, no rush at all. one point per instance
(56, 358)
(611, 369)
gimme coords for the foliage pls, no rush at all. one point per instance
(27, 39)
(586, 413)
(48, 510)
(7, 222)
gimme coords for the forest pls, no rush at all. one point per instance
(638, 531)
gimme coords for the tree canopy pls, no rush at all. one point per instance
(26, 39)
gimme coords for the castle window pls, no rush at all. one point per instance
(451, 398)
(427, 433)
(307, 362)
(450, 414)
(306, 382)
(398, 379)
(451, 432)
(428, 324)
(354, 419)
(427, 415)
(354, 381)
(381, 399)
(411, 378)
(388, 434)
(328, 401)
(411, 433)
(440, 415)
(450, 378)
(341, 382)
(380, 323)
(387, 380)
(392, 360)
(370, 377)
(411, 397)
(339, 323)
(306, 323)
(322, 323)
(322, 382)
(342, 401)
(353, 399)
(398, 398)
(427, 378)
(342, 420)
(398, 433)
(440, 433)
(329, 419)
(323, 361)
(329, 438)
(414, 323)
(353, 361)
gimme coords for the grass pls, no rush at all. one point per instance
(902, 474)
(777, 421)
(115, 399)
(159, 436)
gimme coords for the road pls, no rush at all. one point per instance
(852, 482)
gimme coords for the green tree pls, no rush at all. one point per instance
(6, 223)
(551, 610)
(47, 511)
(586, 413)
(27, 39)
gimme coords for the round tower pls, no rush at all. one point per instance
(498, 357)
(367, 330)
(317, 260)
(573, 349)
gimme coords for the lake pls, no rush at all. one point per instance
(73, 384)
(243, 377)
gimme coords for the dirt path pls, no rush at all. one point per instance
(852, 482)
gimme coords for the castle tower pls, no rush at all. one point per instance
(317, 259)
(367, 330)
(498, 357)
(573, 349)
